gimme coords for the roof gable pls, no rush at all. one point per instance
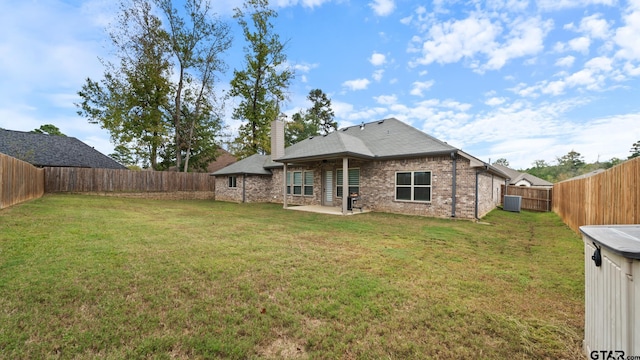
(516, 177)
(386, 138)
(53, 150)
(256, 164)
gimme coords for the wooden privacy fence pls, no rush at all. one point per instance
(536, 199)
(19, 181)
(124, 181)
(607, 198)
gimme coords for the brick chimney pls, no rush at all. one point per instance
(277, 139)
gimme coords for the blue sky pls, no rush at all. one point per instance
(521, 80)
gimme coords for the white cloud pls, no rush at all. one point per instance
(386, 99)
(454, 40)
(357, 84)
(495, 101)
(595, 26)
(566, 61)
(383, 7)
(525, 38)
(377, 75)
(304, 67)
(556, 87)
(553, 5)
(627, 37)
(631, 70)
(580, 44)
(480, 37)
(508, 5)
(419, 86)
(377, 59)
(64, 100)
(341, 109)
(601, 63)
(305, 3)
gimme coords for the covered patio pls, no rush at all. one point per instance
(330, 210)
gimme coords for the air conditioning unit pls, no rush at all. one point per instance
(512, 203)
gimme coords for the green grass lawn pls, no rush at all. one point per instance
(88, 277)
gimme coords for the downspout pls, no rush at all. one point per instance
(244, 188)
(475, 213)
(453, 184)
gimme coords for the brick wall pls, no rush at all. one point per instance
(488, 192)
(377, 187)
(258, 188)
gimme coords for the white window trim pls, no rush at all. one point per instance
(234, 181)
(290, 182)
(413, 186)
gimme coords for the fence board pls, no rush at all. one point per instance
(607, 198)
(535, 199)
(19, 181)
(79, 180)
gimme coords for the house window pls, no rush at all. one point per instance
(288, 182)
(308, 183)
(354, 182)
(300, 182)
(297, 183)
(413, 186)
(233, 181)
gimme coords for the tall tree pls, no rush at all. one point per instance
(502, 161)
(124, 156)
(572, 160)
(317, 120)
(197, 43)
(635, 150)
(261, 85)
(130, 100)
(140, 101)
(540, 164)
(299, 128)
(320, 112)
(48, 129)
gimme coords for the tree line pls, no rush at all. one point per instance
(160, 95)
(570, 165)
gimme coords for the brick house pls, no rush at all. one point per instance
(389, 165)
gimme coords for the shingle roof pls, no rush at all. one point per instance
(53, 150)
(256, 164)
(517, 176)
(383, 139)
(386, 138)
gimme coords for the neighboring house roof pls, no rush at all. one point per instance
(53, 150)
(518, 177)
(388, 138)
(589, 174)
(223, 159)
